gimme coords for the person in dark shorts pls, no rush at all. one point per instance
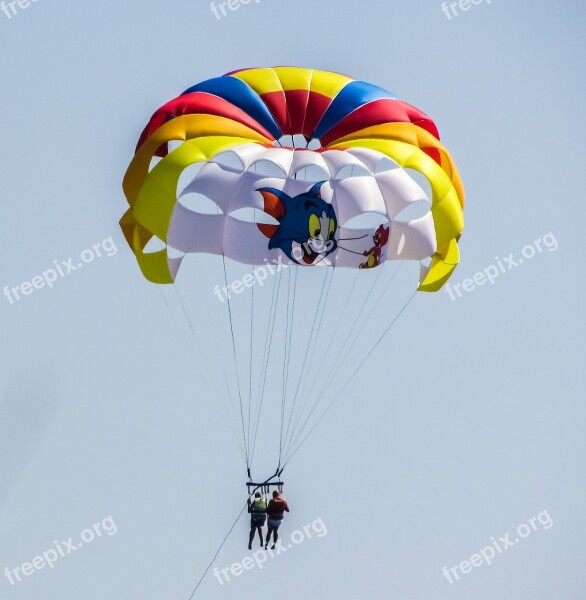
(276, 512)
(258, 516)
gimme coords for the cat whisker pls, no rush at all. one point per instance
(352, 251)
(353, 238)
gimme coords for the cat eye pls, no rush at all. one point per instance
(314, 226)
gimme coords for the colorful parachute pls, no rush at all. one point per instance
(359, 141)
(285, 165)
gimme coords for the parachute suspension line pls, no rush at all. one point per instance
(347, 346)
(357, 324)
(312, 348)
(207, 309)
(219, 361)
(291, 303)
(265, 359)
(236, 363)
(218, 550)
(349, 379)
(160, 288)
(340, 318)
(302, 407)
(202, 353)
(250, 366)
(335, 330)
(305, 399)
(314, 335)
(322, 303)
(319, 327)
(204, 356)
(267, 352)
(286, 353)
(191, 326)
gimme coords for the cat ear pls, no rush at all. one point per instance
(268, 231)
(383, 234)
(273, 202)
(273, 206)
(316, 189)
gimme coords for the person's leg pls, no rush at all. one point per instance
(268, 539)
(251, 538)
(260, 536)
(275, 537)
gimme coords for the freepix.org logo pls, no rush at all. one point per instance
(501, 266)
(260, 557)
(260, 274)
(219, 9)
(13, 7)
(59, 270)
(453, 9)
(486, 555)
(60, 550)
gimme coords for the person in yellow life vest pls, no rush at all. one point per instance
(258, 516)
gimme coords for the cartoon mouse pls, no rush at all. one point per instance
(380, 238)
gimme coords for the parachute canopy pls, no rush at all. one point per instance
(212, 174)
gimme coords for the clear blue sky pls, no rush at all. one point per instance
(466, 422)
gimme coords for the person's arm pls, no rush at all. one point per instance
(286, 506)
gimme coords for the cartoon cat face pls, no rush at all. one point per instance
(307, 224)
